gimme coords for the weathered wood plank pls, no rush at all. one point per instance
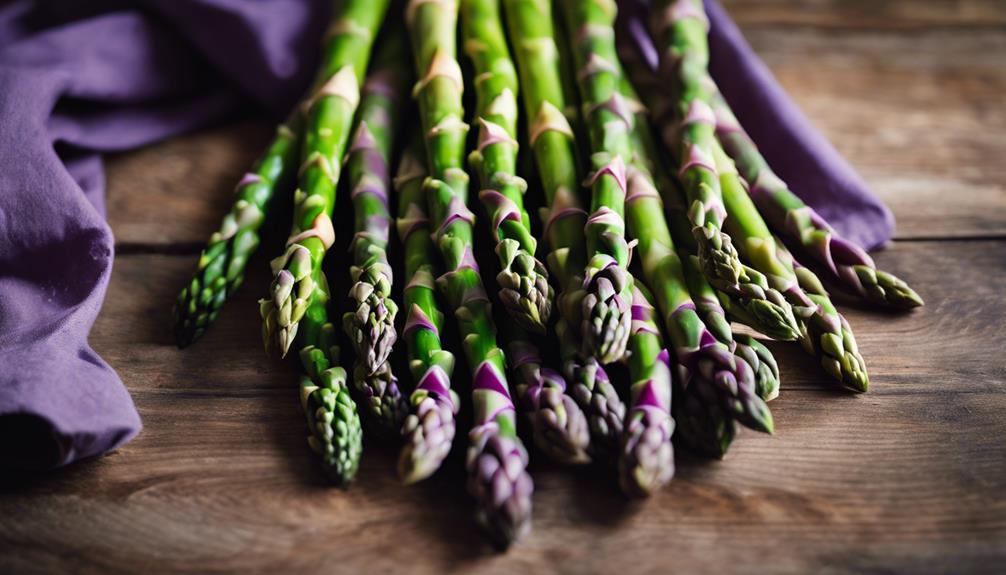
(919, 115)
(906, 478)
(874, 14)
(176, 192)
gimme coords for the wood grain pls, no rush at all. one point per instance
(906, 478)
(899, 15)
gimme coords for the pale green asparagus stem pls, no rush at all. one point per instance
(523, 280)
(497, 459)
(546, 97)
(328, 120)
(606, 307)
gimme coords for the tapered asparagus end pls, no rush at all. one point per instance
(605, 412)
(196, 308)
(290, 293)
(500, 484)
(732, 379)
(524, 288)
(429, 430)
(383, 404)
(884, 289)
(763, 363)
(371, 327)
(719, 258)
(560, 426)
(647, 461)
(336, 434)
(830, 336)
(702, 425)
(770, 313)
(606, 310)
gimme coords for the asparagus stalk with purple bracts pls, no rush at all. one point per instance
(606, 306)
(730, 378)
(332, 418)
(496, 458)
(847, 264)
(523, 280)
(709, 303)
(560, 426)
(705, 361)
(328, 120)
(428, 430)
(646, 462)
(221, 267)
(823, 331)
(681, 28)
(371, 326)
(532, 33)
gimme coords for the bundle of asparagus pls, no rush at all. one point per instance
(713, 241)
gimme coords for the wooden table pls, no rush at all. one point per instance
(910, 477)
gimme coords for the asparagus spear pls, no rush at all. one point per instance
(544, 93)
(336, 434)
(704, 360)
(606, 313)
(221, 267)
(707, 299)
(496, 457)
(647, 459)
(708, 302)
(428, 430)
(328, 121)
(560, 427)
(847, 264)
(823, 330)
(523, 280)
(371, 326)
(684, 56)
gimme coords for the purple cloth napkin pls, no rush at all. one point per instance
(81, 78)
(77, 79)
(796, 150)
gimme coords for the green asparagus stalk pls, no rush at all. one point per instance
(560, 427)
(496, 458)
(523, 280)
(532, 32)
(663, 271)
(334, 424)
(371, 327)
(684, 56)
(647, 459)
(823, 330)
(606, 307)
(429, 428)
(846, 264)
(328, 121)
(707, 299)
(221, 267)
(709, 303)
(702, 357)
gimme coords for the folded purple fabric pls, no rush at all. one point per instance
(76, 79)
(796, 150)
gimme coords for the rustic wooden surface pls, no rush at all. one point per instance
(909, 478)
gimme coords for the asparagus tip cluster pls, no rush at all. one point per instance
(560, 426)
